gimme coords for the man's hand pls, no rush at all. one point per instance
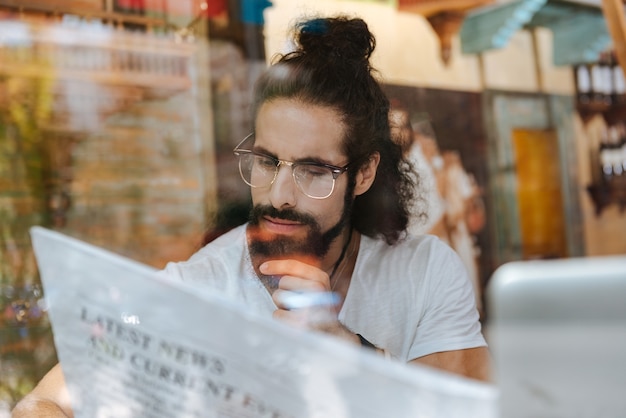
(49, 399)
(304, 298)
(297, 275)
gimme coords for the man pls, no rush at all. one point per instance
(330, 194)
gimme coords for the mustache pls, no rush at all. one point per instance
(260, 211)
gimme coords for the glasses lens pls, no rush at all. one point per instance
(314, 180)
(257, 170)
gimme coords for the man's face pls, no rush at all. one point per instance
(285, 222)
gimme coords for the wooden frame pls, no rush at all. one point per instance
(616, 22)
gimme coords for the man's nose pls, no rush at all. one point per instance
(283, 190)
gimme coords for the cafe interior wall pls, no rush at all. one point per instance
(105, 136)
(408, 54)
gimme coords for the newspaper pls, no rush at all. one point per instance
(133, 343)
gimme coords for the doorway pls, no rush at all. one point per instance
(539, 195)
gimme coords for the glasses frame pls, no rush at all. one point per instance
(335, 170)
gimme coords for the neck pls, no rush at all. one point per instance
(342, 256)
(341, 275)
(337, 251)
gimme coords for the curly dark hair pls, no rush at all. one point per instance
(331, 67)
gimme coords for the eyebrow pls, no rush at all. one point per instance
(265, 151)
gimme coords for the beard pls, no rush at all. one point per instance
(311, 249)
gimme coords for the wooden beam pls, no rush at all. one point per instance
(446, 25)
(444, 16)
(81, 8)
(616, 22)
(429, 8)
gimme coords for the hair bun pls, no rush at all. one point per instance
(339, 36)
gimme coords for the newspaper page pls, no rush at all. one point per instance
(134, 344)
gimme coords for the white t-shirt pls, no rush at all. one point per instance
(411, 299)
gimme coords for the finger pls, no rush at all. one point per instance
(315, 318)
(292, 268)
(294, 319)
(278, 298)
(300, 300)
(304, 284)
(280, 314)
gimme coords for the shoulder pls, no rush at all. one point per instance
(230, 241)
(213, 257)
(423, 248)
(424, 262)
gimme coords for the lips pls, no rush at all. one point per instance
(281, 226)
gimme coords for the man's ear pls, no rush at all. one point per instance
(366, 174)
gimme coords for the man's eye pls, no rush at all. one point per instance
(266, 162)
(315, 171)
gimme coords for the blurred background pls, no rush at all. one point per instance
(118, 119)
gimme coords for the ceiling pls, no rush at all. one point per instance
(580, 30)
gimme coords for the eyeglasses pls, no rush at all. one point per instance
(315, 180)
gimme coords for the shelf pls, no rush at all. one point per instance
(609, 192)
(612, 113)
